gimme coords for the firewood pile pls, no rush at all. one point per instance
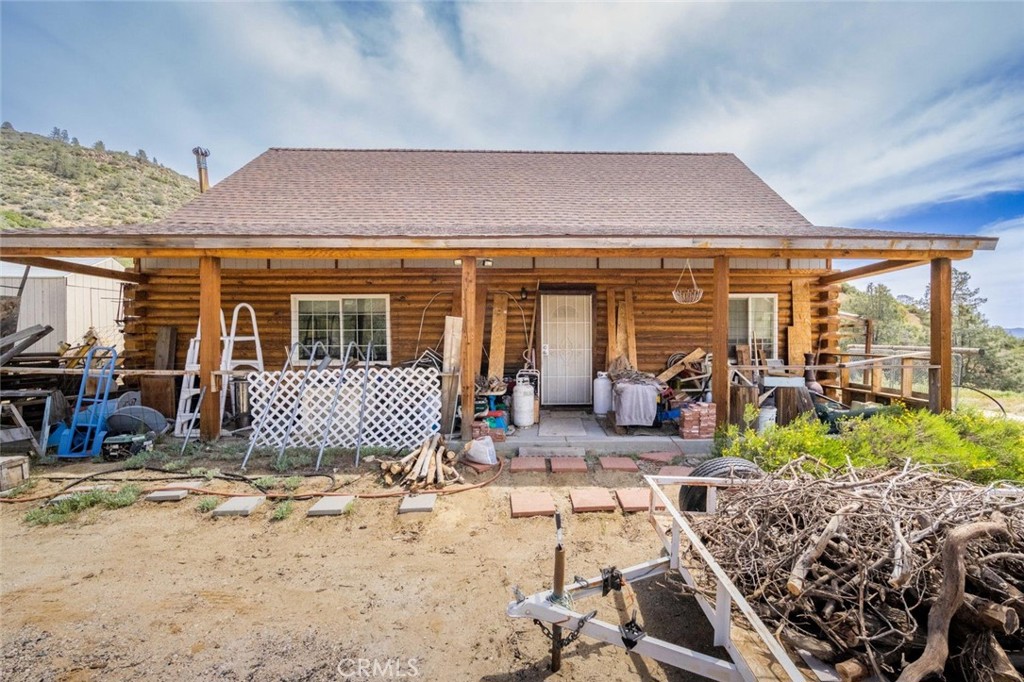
(430, 466)
(904, 574)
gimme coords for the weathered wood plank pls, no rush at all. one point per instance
(940, 379)
(470, 332)
(499, 321)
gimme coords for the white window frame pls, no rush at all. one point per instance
(340, 298)
(775, 321)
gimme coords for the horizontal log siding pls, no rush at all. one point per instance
(663, 326)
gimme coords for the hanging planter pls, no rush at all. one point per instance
(687, 296)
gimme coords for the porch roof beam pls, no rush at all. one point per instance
(868, 270)
(76, 268)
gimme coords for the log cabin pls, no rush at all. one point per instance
(378, 246)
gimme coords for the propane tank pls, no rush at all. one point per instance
(522, 403)
(602, 394)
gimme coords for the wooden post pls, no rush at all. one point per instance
(496, 356)
(940, 378)
(869, 339)
(720, 340)
(209, 346)
(613, 328)
(907, 377)
(470, 340)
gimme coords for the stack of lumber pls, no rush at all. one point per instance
(904, 574)
(432, 465)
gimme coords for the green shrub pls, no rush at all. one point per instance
(282, 510)
(966, 444)
(206, 504)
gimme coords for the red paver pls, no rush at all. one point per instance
(477, 467)
(568, 465)
(525, 503)
(636, 499)
(675, 471)
(659, 457)
(520, 464)
(591, 500)
(618, 464)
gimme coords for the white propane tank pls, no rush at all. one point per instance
(522, 403)
(602, 394)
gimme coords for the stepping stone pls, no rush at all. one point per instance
(529, 464)
(239, 506)
(591, 500)
(636, 499)
(618, 464)
(552, 452)
(659, 457)
(675, 471)
(167, 496)
(417, 503)
(477, 467)
(525, 503)
(331, 505)
(568, 465)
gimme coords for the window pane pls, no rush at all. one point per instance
(318, 321)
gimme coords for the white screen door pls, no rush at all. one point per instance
(566, 336)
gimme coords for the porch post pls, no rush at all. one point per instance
(209, 346)
(720, 340)
(940, 378)
(470, 340)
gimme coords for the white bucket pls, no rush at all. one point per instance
(766, 418)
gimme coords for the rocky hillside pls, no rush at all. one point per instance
(53, 181)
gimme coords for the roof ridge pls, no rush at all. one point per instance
(495, 151)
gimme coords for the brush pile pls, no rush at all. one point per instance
(904, 573)
(432, 465)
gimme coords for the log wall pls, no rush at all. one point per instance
(663, 327)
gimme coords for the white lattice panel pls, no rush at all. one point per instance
(403, 407)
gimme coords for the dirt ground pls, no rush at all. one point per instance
(167, 592)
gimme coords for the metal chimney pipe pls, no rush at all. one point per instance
(204, 178)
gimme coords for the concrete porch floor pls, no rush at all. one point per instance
(602, 439)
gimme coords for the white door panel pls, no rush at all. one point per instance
(566, 335)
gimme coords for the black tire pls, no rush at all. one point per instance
(694, 497)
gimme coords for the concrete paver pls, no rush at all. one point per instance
(529, 503)
(415, 504)
(618, 464)
(591, 500)
(239, 506)
(568, 465)
(332, 505)
(535, 464)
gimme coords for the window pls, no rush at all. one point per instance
(337, 321)
(754, 317)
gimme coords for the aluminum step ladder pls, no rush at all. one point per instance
(229, 363)
(188, 407)
(88, 427)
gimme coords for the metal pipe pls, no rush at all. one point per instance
(362, 401)
(557, 593)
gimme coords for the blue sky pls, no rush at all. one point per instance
(899, 116)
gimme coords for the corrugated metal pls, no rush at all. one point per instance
(369, 264)
(43, 302)
(629, 263)
(302, 264)
(580, 263)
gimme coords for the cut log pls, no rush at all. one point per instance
(851, 670)
(951, 596)
(983, 613)
(821, 650)
(1000, 666)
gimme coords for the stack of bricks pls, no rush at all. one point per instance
(482, 428)
(697, 420)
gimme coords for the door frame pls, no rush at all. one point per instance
(564, 290)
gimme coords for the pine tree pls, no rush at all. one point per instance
(99, 146)
(55, 133)
(141, 155)
(74, 141)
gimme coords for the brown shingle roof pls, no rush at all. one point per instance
(325, 192)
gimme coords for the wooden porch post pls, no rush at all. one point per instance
(470, 340)
(209, 346)
(720, 340)
(940, 378)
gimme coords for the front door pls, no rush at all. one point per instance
(566, 338)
